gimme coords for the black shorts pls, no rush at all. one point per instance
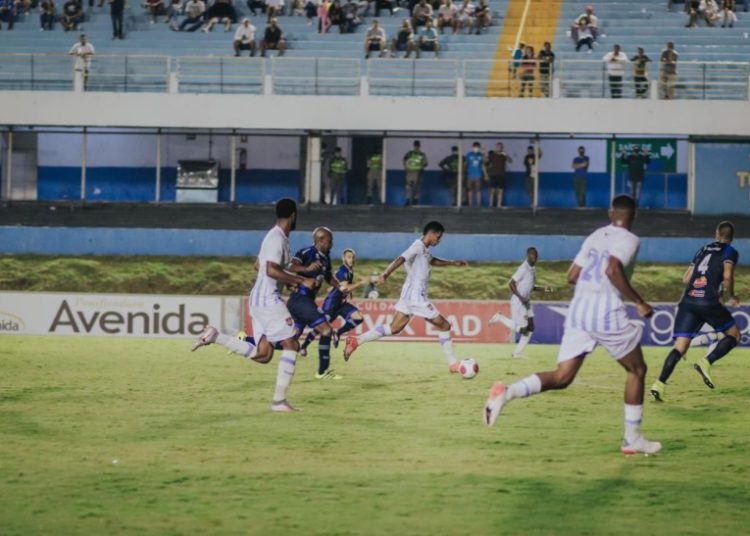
(304, 312)
(497, 181)
(691, 316)
(345, 311)
(374, 45)
(427, 47)
(245, 46)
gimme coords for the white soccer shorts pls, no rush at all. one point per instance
(273, 321)
(424, 309)
(519, 313)
(576, 341)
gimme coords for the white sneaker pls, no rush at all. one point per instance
(640, 445)
(518, 356)
(500, 318)
(496, 319)
(207, 337)
(282, 406)
(495, 403)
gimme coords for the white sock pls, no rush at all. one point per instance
(522, 342)
(633, 417)
(528, 386)
(242, 348)
(378, 332)
(444, 337)
(284, 374)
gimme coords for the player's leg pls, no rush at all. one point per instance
(635, 367)
(352, 318)
(311, 336)
(284, 375)
(399, 322)
(526, 330)
(721, 320)
(686, 326)
(444, 337)
(324, 350)
(210, 335)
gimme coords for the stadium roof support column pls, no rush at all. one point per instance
(460, 178)
(84, 157)
(691, 177)
(314, 168)
(232, 167)
(157, 193)
(383, 170)
(9, 166)
(613, 169)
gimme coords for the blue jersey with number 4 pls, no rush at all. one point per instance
(708, 272)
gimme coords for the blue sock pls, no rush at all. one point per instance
(309, 339)
(324, 354)
(348, 325)
(724, 346)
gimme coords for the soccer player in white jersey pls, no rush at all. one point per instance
(521, 285)
(597, 315)
(414, 301)
(272, 322)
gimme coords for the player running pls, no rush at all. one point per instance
(711, 270)
(521, 285)
(314, 262)
(272, 322)
(336, 304)
(414, 301)
(597, 315)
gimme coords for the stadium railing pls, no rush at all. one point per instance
(345, 77)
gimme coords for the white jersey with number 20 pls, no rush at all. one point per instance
(597, 305)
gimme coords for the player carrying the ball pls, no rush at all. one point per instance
(414, 301)
(597, 315)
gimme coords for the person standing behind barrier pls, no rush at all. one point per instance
(580, 176)
(449, 166)
(546, 66)
(374, 177)
(414, 163)
(640, 73)
(337, 169)
(637, 163)
(615, 62)
(82, 50)
(116, 10)
(529, 162)
(668, 77)
(497, 161)
(476, 172)
(47, 15)
(528, 71)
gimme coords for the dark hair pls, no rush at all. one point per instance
(337, 149)
(530, 249)
(476, 144)
(725, 230)
(285, 208)
(454, 148)
(581, 147)
(623, 202)
(435, 226)
(417, 144)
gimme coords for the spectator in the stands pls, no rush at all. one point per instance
(707, 10)
(374, 176)
(421, 13)
(466, 17)
(415, 161)
(221, 10)
(116, 11)
(585, 37)
(727, 15)
(72, 15)
(403, 42)
(475, 171)
(516, 55)
(296, 7)
(447, 16)
(8, 12)
(351, 18)
(668, 74)
(244, 38)
(591, 20)
(47, 14)
(428, 39)
(174, 10)
(83, 51)
(449, 167)
(274, 8)
(194, 11)
(640, 73)
(497, 162)
(337, 169)
(155, 8)
(311, 10)
(580, 167)
(482, 16)
(336, 16)
(324, 21)
(546, 60)
(375, 39)
(273, 39)
(615, 63)
(637, 162)
(385, 4)
(530, 164)
(255, 5)
(527, 71)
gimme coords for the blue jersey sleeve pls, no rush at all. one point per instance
(342, 273)
(300, 256)
(697, 256)
(731, 255)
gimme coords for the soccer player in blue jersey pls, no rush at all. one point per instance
(710, 273)
(475, 171)
(336, 303)
(314, 262)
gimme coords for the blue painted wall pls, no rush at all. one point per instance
(718, 167)
(193, 242)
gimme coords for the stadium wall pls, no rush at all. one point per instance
(198, 242)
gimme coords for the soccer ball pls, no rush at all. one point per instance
(468, 368)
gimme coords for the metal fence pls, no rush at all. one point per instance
(208, 74)
(384, 77)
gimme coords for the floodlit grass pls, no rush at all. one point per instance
(118, 436)
(234, 276)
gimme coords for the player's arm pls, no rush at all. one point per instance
(434, 261)
(513, 286)
(542, 288)
(398, 261)
(574, 272)
(688, 275)
(616, 274)
(275, 271)
(728, 284)
(298, 267)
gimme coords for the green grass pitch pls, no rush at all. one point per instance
(117, 436)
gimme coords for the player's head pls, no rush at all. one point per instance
(622, 212)
(286, 210)
(348, 257)
(725, 232)
(433, 233)
(323, 238)
(581, 150)
(532, 255)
